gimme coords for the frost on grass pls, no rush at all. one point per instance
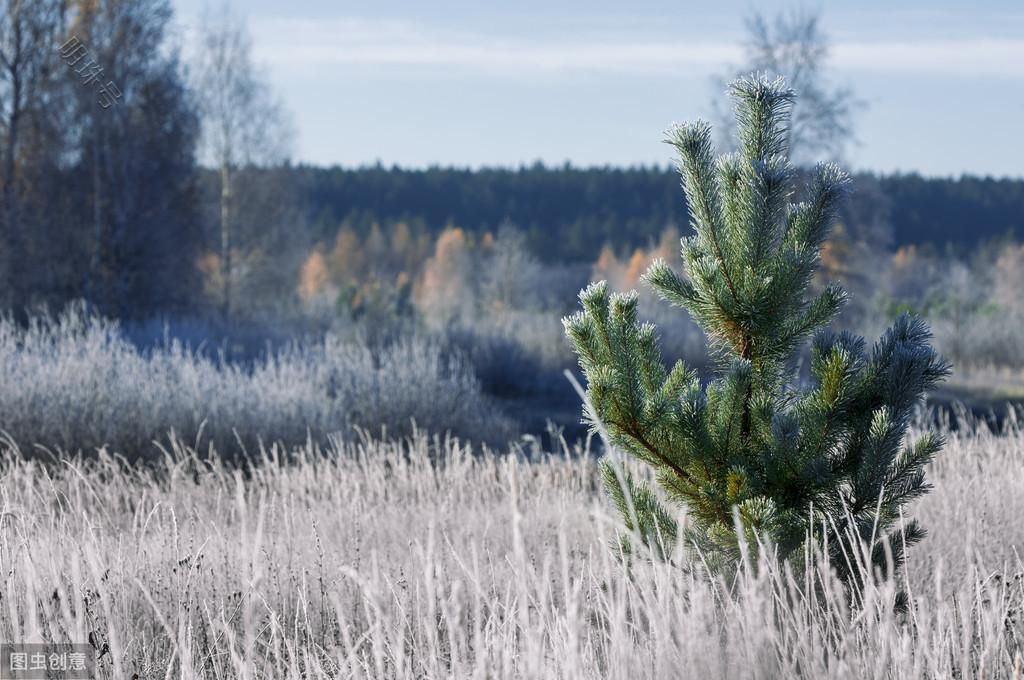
(73, 382)
(419, 559)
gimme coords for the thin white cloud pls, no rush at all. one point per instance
(305, 44)
(300, 43)
(981, 57)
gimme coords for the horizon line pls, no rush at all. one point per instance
(570, 166)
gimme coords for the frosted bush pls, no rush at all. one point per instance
(74, 382)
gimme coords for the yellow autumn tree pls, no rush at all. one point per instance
(314, 278)
(835, 255)
(445, 293)
(607, 265)
(626, 275)
(347, 259)
(638, 264)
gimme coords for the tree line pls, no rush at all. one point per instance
(570, 213)
(150, 182)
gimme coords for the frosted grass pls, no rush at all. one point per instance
(423, 559)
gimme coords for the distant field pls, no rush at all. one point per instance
(423, 560)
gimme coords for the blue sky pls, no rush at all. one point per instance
(487, 83)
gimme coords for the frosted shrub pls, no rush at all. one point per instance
(73, 382)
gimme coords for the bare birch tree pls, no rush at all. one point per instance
(243, 123)
(793, 45)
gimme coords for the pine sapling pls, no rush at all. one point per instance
(818, 467)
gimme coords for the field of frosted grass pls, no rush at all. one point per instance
(421, 559)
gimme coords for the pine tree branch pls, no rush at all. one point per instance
(693, 143)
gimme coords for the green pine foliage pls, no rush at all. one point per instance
(823, 466)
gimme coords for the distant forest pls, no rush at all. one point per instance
(570, 213)
(163, 188)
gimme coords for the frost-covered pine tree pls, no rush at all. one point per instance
(754, 450)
